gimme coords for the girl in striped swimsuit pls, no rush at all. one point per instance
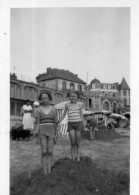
(46, 129)
(75, 123)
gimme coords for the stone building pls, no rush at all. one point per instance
(20, 91)
(107, 96)
(58, 82)
(62, 81)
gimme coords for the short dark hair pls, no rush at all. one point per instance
(45, 92)
(27, 101)
(76, 92)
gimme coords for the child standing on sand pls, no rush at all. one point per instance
(46, 129)
(75, 122)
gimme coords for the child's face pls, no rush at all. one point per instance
(28, 103)
(45, 98)
(73, 97)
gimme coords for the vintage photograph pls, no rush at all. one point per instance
(70, 101)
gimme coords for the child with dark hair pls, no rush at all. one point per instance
(46, 129)
(75, 122)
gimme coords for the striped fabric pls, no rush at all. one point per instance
(63, 126)
(74, 115)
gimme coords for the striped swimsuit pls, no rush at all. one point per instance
(74, 118)
(74, 114)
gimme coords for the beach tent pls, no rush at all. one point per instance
(127, 114)
(117, 116)
(64, 123)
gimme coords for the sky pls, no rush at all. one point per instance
(91, 42)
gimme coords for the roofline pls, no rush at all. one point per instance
(18, 80)
(60, 78)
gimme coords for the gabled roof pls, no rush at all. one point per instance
(59, 73)
(124, 85)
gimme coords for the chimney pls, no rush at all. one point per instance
(48, 70)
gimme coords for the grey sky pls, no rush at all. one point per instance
(93, 40)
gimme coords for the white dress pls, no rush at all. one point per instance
(27, 118)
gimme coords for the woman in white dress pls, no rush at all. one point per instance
(27, 117)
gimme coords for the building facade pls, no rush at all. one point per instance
(124, 91)
(107, 96)
(58, 82)
(20, 91)
(62, 81)
(96, 96)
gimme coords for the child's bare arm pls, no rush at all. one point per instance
(36, 130)
(82, 118)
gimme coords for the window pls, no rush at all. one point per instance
(12, 90)
(25, 92)
(106, 106)
(35, 94)
(99, 86)
(113, 86)
(124, 93)
(64, 85)
(113, 94)
(114, 108)
(125, 101)
(71, 86)
(93, 86)
(104, 86)
(18, 91)
(109, 86)
(79, 87)
(90, 103)
(108, 95)
(43, 84)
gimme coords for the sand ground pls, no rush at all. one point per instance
(110, 154)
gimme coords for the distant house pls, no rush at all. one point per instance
(107, 96)
(62, 81)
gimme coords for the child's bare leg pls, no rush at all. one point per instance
(50, 154)
(78, 144)
(72, 138)
(44, 154)
(91, 133)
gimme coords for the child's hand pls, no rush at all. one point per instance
(58, 122)
(83, 128)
